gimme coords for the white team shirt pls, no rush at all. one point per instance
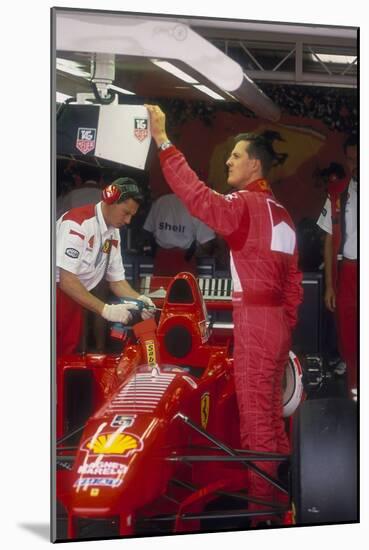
(173, 226)
(82, 247)
(350, 237)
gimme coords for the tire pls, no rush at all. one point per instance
(324, 463)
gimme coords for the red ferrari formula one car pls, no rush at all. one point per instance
(160, 450)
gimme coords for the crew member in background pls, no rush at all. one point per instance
(339, 220)
(177, 235)
(86, 190)
(266, 284)
(88, 250)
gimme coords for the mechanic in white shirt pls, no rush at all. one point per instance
(339, 221)
(176, 234)
(88, 183)
(88, 250)
(349, 250)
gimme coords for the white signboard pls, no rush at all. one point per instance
(124, 134)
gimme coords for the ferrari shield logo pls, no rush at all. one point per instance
(141, 128)
(205, 407)
(106, 246)
(86, 140)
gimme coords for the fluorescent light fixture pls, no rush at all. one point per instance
(208, 91)
(170, 68)
(71, 67)
(342, 59)
(120, 90)
(60, 97)
(160, 39)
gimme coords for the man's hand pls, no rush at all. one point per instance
(157, 124)
(118, 313)
(149, 312)
(330, 299)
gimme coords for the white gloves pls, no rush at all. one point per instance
(150, 312)
(118, 313)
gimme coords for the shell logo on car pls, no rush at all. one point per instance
(114, 443)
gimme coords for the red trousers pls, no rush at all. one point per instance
(69, 322)
(262, 342)
(170, 261)
(346, 304)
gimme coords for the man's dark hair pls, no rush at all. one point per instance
(261, 147)
(351, 141)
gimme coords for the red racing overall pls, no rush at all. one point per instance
(267, 291)
(344, 279)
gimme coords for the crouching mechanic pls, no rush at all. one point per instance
(266, 285)
(88, 250)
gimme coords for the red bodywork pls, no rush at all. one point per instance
(129, 462)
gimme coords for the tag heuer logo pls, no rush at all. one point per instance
(141, 128)
(86, 140)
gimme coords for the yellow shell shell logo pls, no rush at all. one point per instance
(113, 444)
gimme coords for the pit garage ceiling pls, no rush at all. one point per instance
(267, 52)
(290, 53)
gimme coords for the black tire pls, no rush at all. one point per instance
(324, 462)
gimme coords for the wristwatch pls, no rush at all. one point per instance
(165, 145)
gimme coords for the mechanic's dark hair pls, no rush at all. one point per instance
(351, 141)
(261, 147)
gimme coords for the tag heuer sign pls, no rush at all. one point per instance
(86, 140)
(141, 130)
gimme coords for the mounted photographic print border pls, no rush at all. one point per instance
(114, 418)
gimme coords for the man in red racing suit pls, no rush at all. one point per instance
(266, 284)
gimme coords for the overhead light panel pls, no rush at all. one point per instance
(120, 90)
(208, 91)
(336, 58)
(170, 68)
(71, 67)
